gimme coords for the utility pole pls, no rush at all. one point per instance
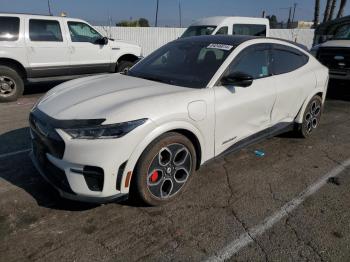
(295, 7)
(49, 6)
(180, 14)
(263, 14)
(289, 17)
(156, 23)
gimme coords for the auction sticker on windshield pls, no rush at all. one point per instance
(220, 46)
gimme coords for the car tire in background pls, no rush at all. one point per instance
(164, 169)
(311, 117)
(11, 84)
(124, 66)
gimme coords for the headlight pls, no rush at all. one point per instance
(104, 131)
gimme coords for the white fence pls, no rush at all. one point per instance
(151, 38)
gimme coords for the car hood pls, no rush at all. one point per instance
(101, 96)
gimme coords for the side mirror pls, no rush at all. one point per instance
(237, 79)
(102, 41)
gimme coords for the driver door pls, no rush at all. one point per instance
(86, 56)
(244, 111)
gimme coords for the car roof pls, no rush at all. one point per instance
(26, 15)
(233, 40)
(218, 39)
(217, 20)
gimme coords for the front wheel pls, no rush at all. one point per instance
(124, 66)
(11, 84)
(311, 118)
(164, 169)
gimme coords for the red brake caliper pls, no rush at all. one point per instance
(154, 176)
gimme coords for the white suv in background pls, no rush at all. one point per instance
(42, 48)
(229, 25)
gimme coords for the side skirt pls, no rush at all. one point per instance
(275, 130)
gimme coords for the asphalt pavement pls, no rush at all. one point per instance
(290, 205)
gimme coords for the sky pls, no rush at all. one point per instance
(98, 11)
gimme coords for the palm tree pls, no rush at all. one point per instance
(327, 11)
(331, 13)
(317, 13)
(341, 8)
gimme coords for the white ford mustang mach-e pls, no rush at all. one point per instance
(99, 138)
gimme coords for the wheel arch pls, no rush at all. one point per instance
(127, 57)
(14, 64)
(184, 128)
(299, 117)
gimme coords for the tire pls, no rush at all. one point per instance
(311, 117)
(11, 84)
(124, 66)
(159, 176)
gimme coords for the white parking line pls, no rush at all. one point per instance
(14, 153)
(245, 239)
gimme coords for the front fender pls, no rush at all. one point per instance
(158, 131)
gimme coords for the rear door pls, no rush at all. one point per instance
(47, 48)
(243, 111)
(86, 54)
(293, 82)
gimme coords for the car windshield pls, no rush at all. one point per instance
(199, 30)
(342, 32)
(183, 63)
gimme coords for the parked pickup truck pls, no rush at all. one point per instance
(42, 48)
(332, 47)
(229, 25)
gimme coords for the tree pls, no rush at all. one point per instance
(327, 11)
(331, 13)
(341, 8)
(143, 22)
(317, 13)
(273, 21)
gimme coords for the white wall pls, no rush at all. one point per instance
(151, 38)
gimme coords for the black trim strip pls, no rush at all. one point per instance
(275, 130)
(74, 123)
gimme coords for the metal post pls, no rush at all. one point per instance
(156, 23)
(180, 14)
(48, 4)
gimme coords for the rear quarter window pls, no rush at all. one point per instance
(249, 29)
(9, 28)
(287, 59)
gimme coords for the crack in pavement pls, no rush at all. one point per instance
(241, 222)
(300, 239)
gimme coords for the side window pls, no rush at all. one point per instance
(222, 31)
(254, 62)
(9, 28)
(286, 60)
(247, 29)
(45, 30)
(81, 32)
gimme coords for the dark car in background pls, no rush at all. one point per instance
(332, 47)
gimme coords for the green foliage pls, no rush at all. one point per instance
(142, 22)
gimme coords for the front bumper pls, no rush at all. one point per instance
(339, 74)
(93, 170)
(57, 178)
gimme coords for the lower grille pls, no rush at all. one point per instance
(55, 175)
(335, 58)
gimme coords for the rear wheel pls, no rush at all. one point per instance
(311, 118)
(11, 84)
(124, 66)
(164, 169)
